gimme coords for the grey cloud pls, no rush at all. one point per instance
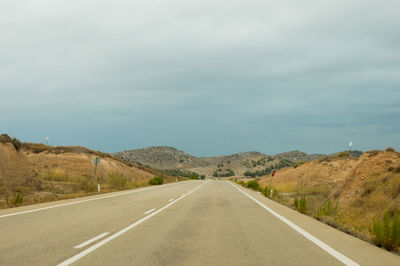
(219, 72)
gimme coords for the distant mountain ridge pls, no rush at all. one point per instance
(164, 157)
(298, 156)
(161, 157)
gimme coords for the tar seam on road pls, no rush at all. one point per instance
(91, 240)
(123, 231)
(81, 201)
(336, 254)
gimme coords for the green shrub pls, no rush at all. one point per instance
(156, 180)
(254, 185)
(267, 192)
(390, 149)
(326, 209)
(301, 204)
(386, 232)
(343, 154)
(15, 201)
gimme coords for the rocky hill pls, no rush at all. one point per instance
(218, 166)
(161, 157)
(31, 173)
(298, 156)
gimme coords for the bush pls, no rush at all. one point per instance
(267, 192)
(373, 153)
(386, 232)
(15, 201)
(4, 138)
(156, 180)
(343, 154)
(326, 209)
(390, 149)
(301, 204)
(254, 185)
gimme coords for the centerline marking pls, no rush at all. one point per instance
(149, 211)
(91, 240)
(126, 229)
(336, 254)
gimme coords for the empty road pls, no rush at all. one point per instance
(189, 223)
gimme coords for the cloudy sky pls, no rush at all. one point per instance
(207, 77)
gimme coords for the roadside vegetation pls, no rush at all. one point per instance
(372, 214)
(181, 173)
(282, 164)
(156, 181)
(33, 173)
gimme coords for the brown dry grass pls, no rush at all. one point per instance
(363, 188)
(44, 173)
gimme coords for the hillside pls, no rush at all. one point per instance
(234, 164)
(40, 173)
(357, 190)
(161, 157)
(298, 156)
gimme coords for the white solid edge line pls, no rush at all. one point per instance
(81, 201)
(170, 200)
(91, 240)
(123, 231)
(345, 260)
(149, 211)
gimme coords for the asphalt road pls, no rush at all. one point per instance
(190, 223)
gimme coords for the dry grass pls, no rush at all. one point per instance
(45, 173)
(287, 187)
(362, 189)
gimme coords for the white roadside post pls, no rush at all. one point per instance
(96, 162)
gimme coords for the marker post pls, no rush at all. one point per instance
(96, 162)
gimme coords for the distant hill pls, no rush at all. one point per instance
(234, 157)
(161, 157)
(250, 163)
(298, 156)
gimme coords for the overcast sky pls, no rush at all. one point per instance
(207, 77)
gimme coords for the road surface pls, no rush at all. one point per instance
(189, 223)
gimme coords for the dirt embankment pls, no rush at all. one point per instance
(361, 189)
(32, 173)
